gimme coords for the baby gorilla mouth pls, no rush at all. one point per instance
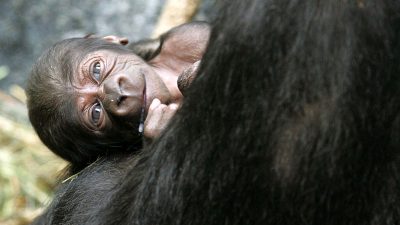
(141, 120)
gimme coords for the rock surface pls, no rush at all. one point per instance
(28, 27)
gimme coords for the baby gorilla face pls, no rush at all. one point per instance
(112, 88)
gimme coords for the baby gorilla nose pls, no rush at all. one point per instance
(118, 100)
(122, 96)
(122, 105)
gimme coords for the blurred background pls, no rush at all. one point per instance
(28, 171)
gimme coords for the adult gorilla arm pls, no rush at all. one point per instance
(295, 120)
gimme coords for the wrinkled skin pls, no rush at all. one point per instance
(119, 89)
(124, 84)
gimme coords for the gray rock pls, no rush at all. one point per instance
(27, 27)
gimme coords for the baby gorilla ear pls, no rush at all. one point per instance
(147, 48)
(110, 38)
(116, 39)
(186, 41)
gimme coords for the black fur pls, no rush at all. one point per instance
(295, 119)
(81, 195)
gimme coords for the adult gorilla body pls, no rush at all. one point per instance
(300, 120)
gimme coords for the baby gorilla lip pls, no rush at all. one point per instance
(142, 117)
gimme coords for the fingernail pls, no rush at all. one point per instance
(154, 103)
(173, 106)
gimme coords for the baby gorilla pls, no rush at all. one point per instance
(89, 97)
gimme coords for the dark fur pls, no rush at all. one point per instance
(79, 196)
(295, 119)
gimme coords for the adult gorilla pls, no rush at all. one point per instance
(294, 119)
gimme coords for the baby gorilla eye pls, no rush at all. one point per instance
(96, 113)
(96, 71)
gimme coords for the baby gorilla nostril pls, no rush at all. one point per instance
(120, 99)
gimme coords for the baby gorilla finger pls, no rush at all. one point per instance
(157, 119)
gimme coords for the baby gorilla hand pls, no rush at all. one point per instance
(157, 119)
